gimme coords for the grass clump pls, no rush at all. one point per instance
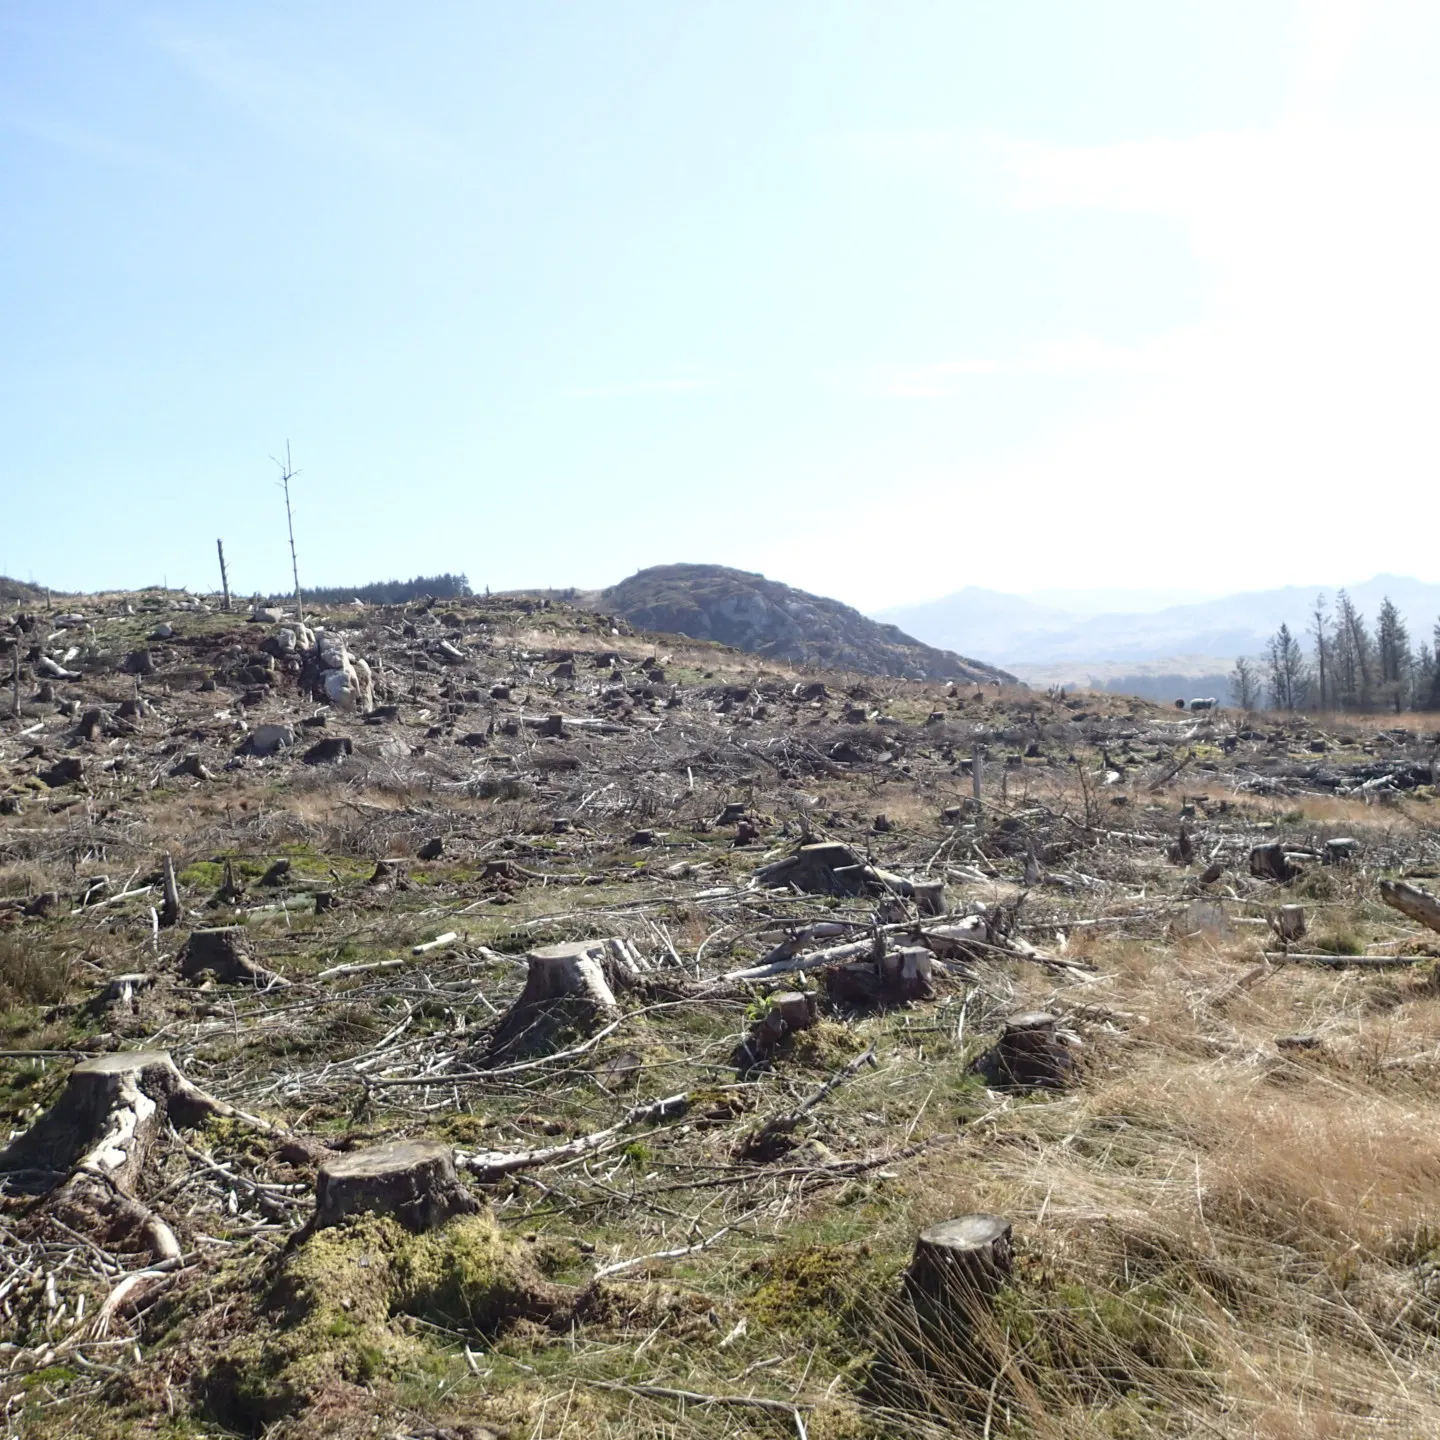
(1339, 942)
(30, 975)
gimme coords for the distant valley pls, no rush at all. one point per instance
(1161, 654)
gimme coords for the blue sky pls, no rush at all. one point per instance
(882, 299)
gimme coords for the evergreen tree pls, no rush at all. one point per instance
(1244, 685)
(1354, 653)
(1289, 680)
(1397, 660)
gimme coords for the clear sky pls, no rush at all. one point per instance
(880, 297)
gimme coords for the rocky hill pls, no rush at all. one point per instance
(736, 607)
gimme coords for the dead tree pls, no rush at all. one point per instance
(224, 578)
(287, 474)
(170, 910)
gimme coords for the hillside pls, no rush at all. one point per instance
(735, 607)
(555, 1044)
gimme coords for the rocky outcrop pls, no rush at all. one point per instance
(735, 607)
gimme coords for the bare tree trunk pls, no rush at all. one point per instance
(224, 578)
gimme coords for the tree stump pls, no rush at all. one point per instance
(905, 973)
(892, 977)
(1340, 850)
(1030, 1054)
(565, 985)
(789, 1012)
(91, 1149)
(930, 897)
(1288, 923)
(1269, 862)
(224, 952)
(389, 875)
(959, 1264)
(412, 1181)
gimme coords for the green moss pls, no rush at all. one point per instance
(826, 1293)
(330, 1314)
(825, 1045)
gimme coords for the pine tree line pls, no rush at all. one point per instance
(1349, 665)
(390, 592)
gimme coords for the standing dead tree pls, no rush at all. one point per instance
(287, 474)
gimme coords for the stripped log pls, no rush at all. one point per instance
(1411, 900)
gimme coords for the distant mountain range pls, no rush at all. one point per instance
(1161, 653)
(735, 607)
(1010, 629)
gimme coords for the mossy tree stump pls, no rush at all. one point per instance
(789, 1012)
(412, 1181)
(92, 1149)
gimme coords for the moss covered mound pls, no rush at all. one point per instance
(330, 1316)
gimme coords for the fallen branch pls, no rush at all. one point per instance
(605, 1271)
(490, 1165)
(694, 1397)
(1342, 962)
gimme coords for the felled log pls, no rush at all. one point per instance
(1411, 900)
(1031, 1054)
(412, 1181)
(224, 952)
